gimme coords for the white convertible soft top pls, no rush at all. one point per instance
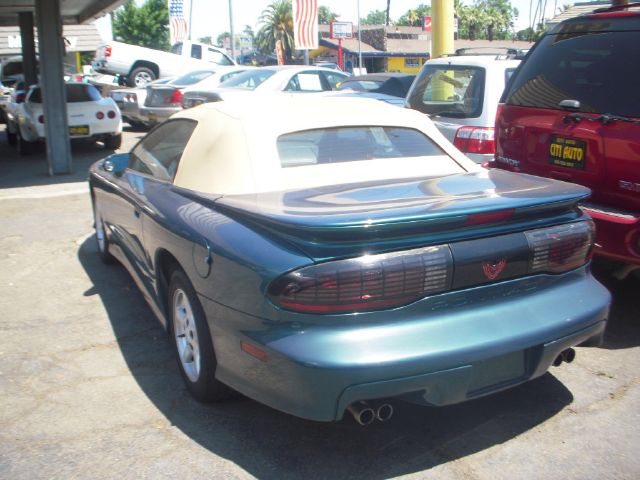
(233, 149)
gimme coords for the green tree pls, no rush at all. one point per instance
(208, 40)
(374, 17)
(326, 16)
(414, 17)
(491, 19)
(249, 31)
(277, 24)
(221, 38)
(146, 26)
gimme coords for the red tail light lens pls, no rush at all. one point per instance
(176, 97)
(20, 97)
(107, 51)
(99, 115)
(41, 118)
(475, 140)
(111, 114)
(365, 283)
(562, 248)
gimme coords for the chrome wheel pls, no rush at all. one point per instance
(186, 335)
(100, 234)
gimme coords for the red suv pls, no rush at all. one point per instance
(572, 112)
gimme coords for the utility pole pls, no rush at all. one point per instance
(359, 41)
(233, 39)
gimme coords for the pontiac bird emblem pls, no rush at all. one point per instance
(492, 270)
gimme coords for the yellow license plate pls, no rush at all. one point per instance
(567, 152)
(77, 131)
(152, 117)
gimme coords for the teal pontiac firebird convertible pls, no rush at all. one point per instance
(324, 255)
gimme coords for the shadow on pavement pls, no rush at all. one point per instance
(623, 328)
(32, 169)
(270, 444)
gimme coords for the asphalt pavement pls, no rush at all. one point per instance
(89, 387)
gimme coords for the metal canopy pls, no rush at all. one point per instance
(72, 12)
(50, 15)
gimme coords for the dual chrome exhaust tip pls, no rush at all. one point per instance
(366, 413)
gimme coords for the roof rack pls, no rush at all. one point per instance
(510, 52)
(616, 8)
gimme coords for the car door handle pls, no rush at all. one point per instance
(136, 212)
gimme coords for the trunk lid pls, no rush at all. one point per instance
(159, 96)
(344, 220)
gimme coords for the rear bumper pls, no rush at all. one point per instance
(617, 233)
(157, 114)
(440, 351)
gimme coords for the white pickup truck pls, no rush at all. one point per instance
(140, 65)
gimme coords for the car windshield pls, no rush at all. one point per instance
(348, 144)
(192, 77)
(599, 70)
(248, 80)
(76, 93)
(449, 91)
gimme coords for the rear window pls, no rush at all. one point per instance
(76, 93)
(192, 77)
(600, 70)
(449, 91)
(348, 144)
(361, 85)
(249, 79)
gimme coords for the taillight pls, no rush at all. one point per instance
(111, 114)
(107, 51)
(41, 118)
(561, 248)
(20, 97)
(99, 115)
(365, 283)
(176, 97)
(475, 140)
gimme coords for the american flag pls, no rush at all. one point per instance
(305, 24)
(178, 27)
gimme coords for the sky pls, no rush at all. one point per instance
(211, 17)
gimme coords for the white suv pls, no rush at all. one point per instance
(460, 93)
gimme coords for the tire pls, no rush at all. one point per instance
(192, 341)
(102, 240)
(22, 146)
(141, 76)
(113, 142)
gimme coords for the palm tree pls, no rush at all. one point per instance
(277, 24)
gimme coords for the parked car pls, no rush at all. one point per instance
(461, 94)
(287, 78)
(90, 116)
(572, 112)
(395, 84)
(12, 70)
(140, 65)
(5, 96)
(332, 65)
(130, 100)
(164, 100)
(322, 263)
